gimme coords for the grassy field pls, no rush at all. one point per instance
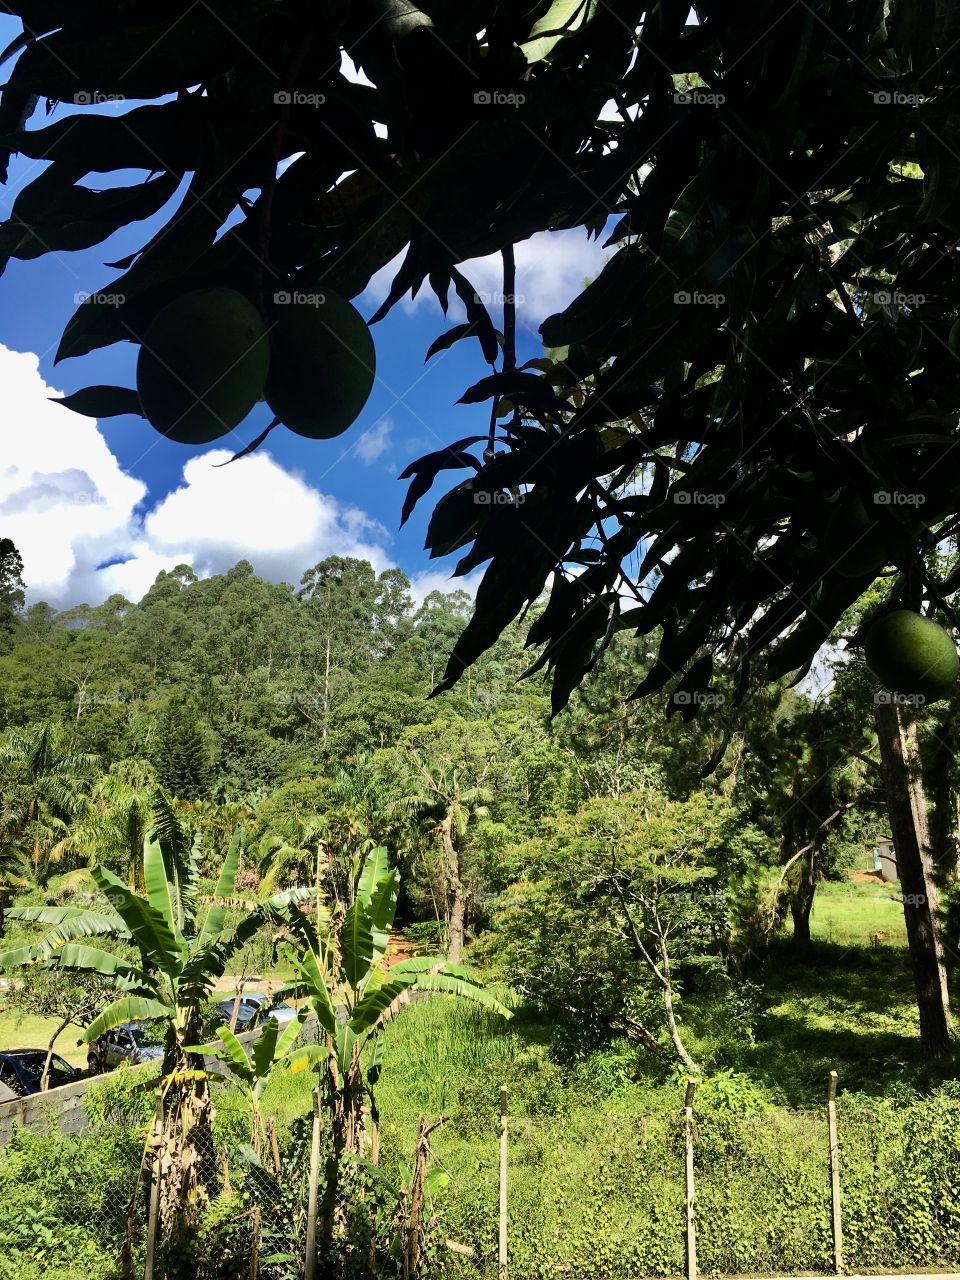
(21, 1031)
(850, 912)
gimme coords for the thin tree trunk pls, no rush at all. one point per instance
(667, 981)
(374, 1158)
(801, 905)
(416, 1228)
(45, 1078)
(661, 971)
(326, 691)
(456, 898)
(907, 812)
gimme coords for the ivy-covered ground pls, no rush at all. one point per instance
(596, 1154)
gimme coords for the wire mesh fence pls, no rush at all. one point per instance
(592, 1196)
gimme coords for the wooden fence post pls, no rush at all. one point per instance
(310, 1262)
(503, 1184)
(153, 1212)
(835, 1173)
(691, 1232)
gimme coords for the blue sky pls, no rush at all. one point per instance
(77, 496)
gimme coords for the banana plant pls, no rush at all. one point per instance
(252, 1074)
(345, 983)
(182, 946)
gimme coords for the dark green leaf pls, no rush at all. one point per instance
(103, 402)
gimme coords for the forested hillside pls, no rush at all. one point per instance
(580, 852)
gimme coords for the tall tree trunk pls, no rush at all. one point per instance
(326, 691)
(666, 979)
(801, 905)
(456, 898)
(907, 812)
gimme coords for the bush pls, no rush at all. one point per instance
(124, 1097)
(63, 1204)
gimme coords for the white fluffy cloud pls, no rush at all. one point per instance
(551, 269)
(374, 443)
(85, 528)
(427, 580)
(64, 499)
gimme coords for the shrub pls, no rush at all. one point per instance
(64, 1202)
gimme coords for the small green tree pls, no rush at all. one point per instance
(252, 1074)
(611, 905)
(73, 999)
(12, 589)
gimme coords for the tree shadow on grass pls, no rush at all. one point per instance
(848, 1009)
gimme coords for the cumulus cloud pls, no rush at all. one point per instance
(428, 580)
(551, 269)
(85, 528)
(255, 510)
(374, 443)
(64, 499)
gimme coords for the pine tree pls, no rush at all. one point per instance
(183, 757)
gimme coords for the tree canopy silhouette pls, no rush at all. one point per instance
(762, 376)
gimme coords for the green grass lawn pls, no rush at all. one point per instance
(22, 1031)
(850, 912)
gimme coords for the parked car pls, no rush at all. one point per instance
(21, 1071)
(254, 1009)
(281, 1013)
(250, 1004)
(132, 1042)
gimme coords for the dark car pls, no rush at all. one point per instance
(132, 1042)
(251, 1002)
(21, 1071)
(283, 1014)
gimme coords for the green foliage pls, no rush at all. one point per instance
(609, 899)
(124, 1097)
(730, 1092)
(63, 1203)
(12, 587)
(68, 998)
(343, 961)
(182, 946)
(183, 760)
(597, 1173)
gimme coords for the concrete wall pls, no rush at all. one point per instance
(63, 1107)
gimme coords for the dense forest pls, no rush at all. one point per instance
(603, 861)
